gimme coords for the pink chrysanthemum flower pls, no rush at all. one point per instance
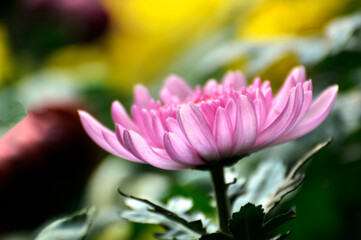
(215, 124)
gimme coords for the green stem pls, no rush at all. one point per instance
(220, 190)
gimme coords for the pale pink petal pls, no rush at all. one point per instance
(153, 129)
(137, 115)
(208, 110)
(268, 94)
(322, 105)
(231, 110)
(260, 106)
(317, 113)
(179, 151)
(251, 92)
(173, 126)
(266, 86)
(221, 101)
(169, 98)
(119, 131)
(211, 88)
(142, 97)
(223, 132)
(257, 83)
(307, 101)
(297, 75)
(198, 132)
(165, 113)
(140, 148)
(285, 119)
(245, 132)
(120, 116)
(147, 128)
(295, 114)
(112, 140)
(158, 130)
(95, 131)
(175, 90)
(234, 80)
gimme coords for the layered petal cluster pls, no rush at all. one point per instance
(189, 127)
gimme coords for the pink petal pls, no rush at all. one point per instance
(137, 115)
(165, 113)
(173, 126)
(211, 88)
(147, 130)
(112, 140)
(260, 106)
(245, 132)
(140, 148)
(95, 131)
(257, 83)
(307, 101)
(179, 151)
(169, 98)
(119, 131)
(234, 80)
(198, 132)
(231, 110)
(152, 128)
(285, 119)
(142, 97)
(157, 128)
(175, 90)
(317, 113)
(297, 75)
(208, 110)
(295, 114)
(120, 116)
(222, 131)
(268, 95)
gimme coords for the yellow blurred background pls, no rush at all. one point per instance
(146, 38)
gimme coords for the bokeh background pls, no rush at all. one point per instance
(57, 56)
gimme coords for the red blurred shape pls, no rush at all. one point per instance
(45, 161)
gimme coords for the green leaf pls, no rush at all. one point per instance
(272, 181)
(277, 221)
(172, 230)
(75, 227)
(293, 178)
(216, 236)
(249, 224)
(282, 236)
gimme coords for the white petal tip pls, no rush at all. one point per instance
(115, 102)
(83, 114)
(335, 88)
